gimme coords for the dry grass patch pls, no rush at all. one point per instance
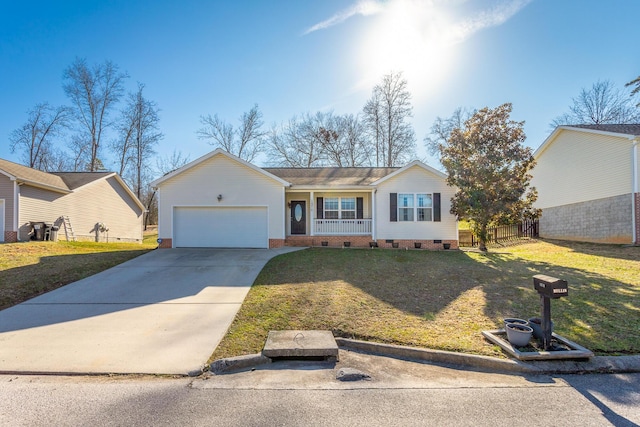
(32, 268)
(442, 300)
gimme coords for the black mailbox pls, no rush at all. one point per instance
(550, 287)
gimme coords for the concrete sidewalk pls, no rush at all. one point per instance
(161, 313)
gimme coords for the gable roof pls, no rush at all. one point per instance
(339, 176)
(628, 131)
(313, 176)
(34, 177)
(60, 182)
(75, 180)
(417, 163)
(216, 152)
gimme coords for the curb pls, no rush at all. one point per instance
(222, 366)
(596, 364)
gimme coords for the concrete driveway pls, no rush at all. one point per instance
(163, 313)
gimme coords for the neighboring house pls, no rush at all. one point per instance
(588, 183)
(220, 200)
(86, 199)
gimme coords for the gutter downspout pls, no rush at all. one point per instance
(635, 191)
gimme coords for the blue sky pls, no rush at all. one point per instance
(296, 56)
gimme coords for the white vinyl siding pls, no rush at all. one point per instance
(416, 181)
(101, 201)
(239, 185)
(579, 166)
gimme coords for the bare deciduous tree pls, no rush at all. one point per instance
(294, 144)
(139, 134)
(168, 164)
(635, 82)
(246, 141)
(442, 128)
(164, 165)
(93, 92)
(321, 139)
(373, 125)
(355, 151)
(34, 139)
(386, 114)
(601, 104)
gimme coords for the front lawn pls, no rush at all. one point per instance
(443, 300)
(32, 268)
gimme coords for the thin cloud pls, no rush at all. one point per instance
(363, 7)
(458, 32)
(489, 18)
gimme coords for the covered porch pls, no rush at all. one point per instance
(330, 213)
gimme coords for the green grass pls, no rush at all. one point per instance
(32, 268)
(443, 300)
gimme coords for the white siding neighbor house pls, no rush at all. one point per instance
(95, 206)
(220, 200)
(588, 183)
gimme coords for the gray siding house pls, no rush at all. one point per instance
(98, 206)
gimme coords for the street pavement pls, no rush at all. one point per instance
(161, 313)
(399, 393)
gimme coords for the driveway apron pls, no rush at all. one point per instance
(161, 313)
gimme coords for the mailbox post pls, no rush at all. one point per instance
(549, 288)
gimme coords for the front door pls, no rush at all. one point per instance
(298, 217)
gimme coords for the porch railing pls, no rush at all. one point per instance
(342, 226)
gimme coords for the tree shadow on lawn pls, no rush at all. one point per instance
(611, 251)
(446, 292)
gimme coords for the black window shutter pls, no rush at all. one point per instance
(320, 208)
(393, 207)
(436, 207)
(359, 208)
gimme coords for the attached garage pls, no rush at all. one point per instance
(221, 227)
(221, 201)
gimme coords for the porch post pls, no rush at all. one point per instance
(312, 210)
(373, 214)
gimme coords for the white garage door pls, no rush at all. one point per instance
(208, 227)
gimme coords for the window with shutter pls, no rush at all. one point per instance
(393, 207)
(320, 208)
(436, 207)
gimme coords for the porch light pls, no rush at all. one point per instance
(219, 197)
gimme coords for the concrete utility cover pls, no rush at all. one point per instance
(161, 313)
(300, 344)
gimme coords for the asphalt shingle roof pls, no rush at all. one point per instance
(78, 179)
(64, 181)
(627, 129)
(27, 174)
(331, 175)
